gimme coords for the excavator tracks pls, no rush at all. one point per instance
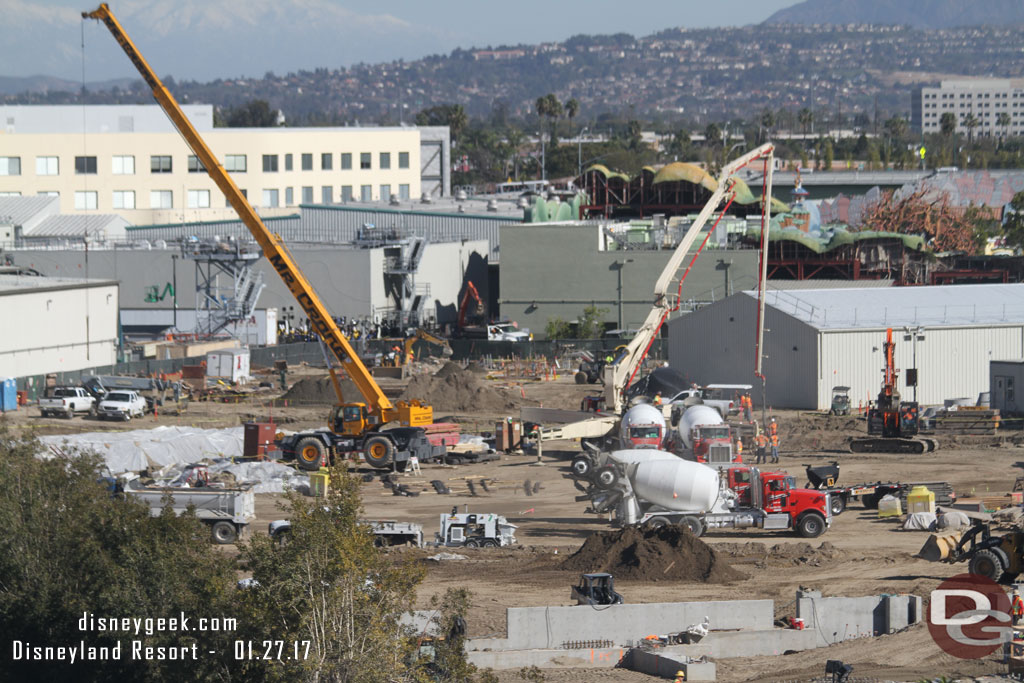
(894, 445)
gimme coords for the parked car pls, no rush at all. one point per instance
(121, 405)
(66, 401)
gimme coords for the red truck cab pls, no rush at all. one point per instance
(713, 444)
(776, 492)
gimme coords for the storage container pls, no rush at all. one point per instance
(319, 482)
(889, 506)
(920, 499)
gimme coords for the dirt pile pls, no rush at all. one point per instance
(819, 432)
(454, 389)
(670, 553)
(320, 391)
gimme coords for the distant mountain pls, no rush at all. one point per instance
(41, 85)
(916, 13)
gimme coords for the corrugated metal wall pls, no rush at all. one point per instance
(715, 344)
(952, 362)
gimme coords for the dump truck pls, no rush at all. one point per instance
(227, 511)
(656, 488)
(826, 477)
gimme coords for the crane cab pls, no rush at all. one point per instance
(352, 419)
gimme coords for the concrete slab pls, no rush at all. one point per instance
(666, 665)
(837, 619)
(587, 658)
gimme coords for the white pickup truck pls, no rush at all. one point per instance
(66, 401)
(121, 405)
(507, 332)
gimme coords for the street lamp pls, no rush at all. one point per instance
(913, 335)
(618, 265)
(579, 152)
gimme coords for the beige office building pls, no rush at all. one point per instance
(128, 160)
(996, 103)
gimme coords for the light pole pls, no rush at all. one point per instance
(543, 161)
(618, 266)
(579, 152)
(913, 335)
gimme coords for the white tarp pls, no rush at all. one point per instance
(267, 477)
(920, 521)
(141, 449)
(953, 519)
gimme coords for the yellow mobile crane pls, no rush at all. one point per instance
(354, 427)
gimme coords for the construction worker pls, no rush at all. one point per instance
(761, 443)
(748, 408)
(775, 448)
(773, 428)
(680, 676)
(739, 448)
(657, 399)
(1017, 608)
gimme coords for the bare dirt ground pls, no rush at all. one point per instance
(863, 555)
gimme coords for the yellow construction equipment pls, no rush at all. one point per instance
(354, 426)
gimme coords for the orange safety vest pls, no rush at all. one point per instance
(775, 439)
(773, 428)
(1017, 607)
(739, 445)
(761, 440)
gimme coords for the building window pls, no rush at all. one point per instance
(85, 200)
(385, 193)
(234, 163)
(122, 165)
(307, 162)
(12, 165)
(10, 194)
(346, 193)
(83, 165)
(289, 196)
(47, 193)
(47, 166)
(366, 193)
(199, 199)
(403, 191)
(161, 199)
(346, 161)
(403, 160)
(287, 162)
(385, 160)
(326, 161)
(124, 199)
(326, 194)
(270, 163)
(159, 164)
(365, 160)
(307, 195)
(270, 198)
(195, 165)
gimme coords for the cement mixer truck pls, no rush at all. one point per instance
(642, 427)
(656, 488)
(702, 435)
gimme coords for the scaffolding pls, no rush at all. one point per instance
(227, 283)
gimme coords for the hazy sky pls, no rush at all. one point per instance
(206, 39)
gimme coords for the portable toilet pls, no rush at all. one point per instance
(920, 499)
(8, 394)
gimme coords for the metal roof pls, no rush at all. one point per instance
(875, 308)
(102, 226)
(19, 284)
(20, 210)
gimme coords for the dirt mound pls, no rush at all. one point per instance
(819, 432)
(320, 391)
(455, 389)
(670, 553)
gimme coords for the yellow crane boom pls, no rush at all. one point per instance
(273, 247)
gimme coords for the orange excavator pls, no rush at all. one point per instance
(893, 424)
(478, 309)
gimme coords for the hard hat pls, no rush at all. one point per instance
(773, 419)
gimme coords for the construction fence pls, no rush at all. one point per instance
(495, 353)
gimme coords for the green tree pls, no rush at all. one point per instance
(767, 122)
(1013, 225)
(829, 154)
(1003, 120)
(70, 547)
(679, 147)
(591, 323)
(330, 586)
(557, 328)
(806, 118)
(947, 124)
(572, 109)
(451, 115)
(254, 114)
(550, 108)
(970, 123)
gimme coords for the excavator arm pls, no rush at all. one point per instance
(446, 349)
(273, 247)
(471, 293)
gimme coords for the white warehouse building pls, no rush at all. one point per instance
(56, 324)
(817, 339)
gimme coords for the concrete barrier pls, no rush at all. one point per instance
(837, 619)
(531, 628)
(666, 665)
(587, 658)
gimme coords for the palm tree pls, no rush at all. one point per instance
(1003, 119)
(947, 124)
(970, 123)
(768, 122)
(806, 117)
(572, 108)
(549, 106)
(712, 134)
